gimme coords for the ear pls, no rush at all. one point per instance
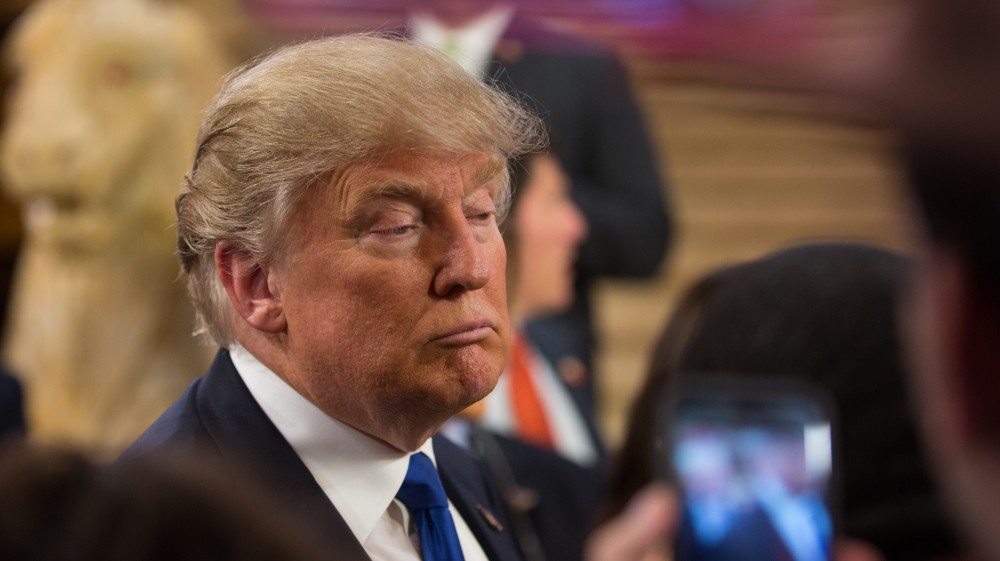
(252, 288)
(968, 317)
(976, 370)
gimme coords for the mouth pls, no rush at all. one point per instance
(467, 333)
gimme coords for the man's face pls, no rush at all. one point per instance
(393, 290)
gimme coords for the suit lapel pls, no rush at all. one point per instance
(249, 441)
(468, 488)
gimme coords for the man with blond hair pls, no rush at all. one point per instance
(339, 235)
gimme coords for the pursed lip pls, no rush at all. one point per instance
(466, 333)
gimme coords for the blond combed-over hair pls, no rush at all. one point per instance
(296, 117)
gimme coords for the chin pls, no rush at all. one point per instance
(479, 386)
(455, 386)
(453, 400)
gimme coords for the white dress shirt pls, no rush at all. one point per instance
(569, 430)
(359, 474)
(471, 45)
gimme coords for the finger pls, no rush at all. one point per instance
(855, 550)
(646, 524)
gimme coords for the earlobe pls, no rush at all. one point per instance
(252, 290)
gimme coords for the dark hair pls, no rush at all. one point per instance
(956, 186)
(58, 505)
(824, 312)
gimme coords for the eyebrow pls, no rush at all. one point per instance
(489, 171)
(403, 190)
(386, 189)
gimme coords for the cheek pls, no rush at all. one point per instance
(497, 295)
(381, 285)
(357, 308)
(381, 311)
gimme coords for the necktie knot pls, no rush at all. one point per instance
(422, 486)
(423, 495)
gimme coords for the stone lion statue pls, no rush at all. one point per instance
(100, 131)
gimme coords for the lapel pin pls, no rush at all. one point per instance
(572, 371)
(489, 518)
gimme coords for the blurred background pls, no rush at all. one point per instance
(752, 157)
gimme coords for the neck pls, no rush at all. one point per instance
(401, 435)
(406, 427)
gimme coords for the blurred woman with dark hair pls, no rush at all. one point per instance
(824, 312)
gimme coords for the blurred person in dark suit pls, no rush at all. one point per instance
(11, 406)
(339, 232)
(598, 140)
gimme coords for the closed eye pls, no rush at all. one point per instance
(396, 231)
(391, 221)
(483, 216)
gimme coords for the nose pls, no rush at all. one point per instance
(465, 262)
(576, 223)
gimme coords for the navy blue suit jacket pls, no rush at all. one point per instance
(11, 406)
(566, 494)
(218, 417)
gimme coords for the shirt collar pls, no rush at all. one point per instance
(358, 473)
(474, 41)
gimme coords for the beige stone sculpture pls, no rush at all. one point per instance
(99, 134)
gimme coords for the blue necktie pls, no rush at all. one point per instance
(424, 496)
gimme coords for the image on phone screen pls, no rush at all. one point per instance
(755, 476)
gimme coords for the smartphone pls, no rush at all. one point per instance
(754, 461)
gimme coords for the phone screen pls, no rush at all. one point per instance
(755, 467)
